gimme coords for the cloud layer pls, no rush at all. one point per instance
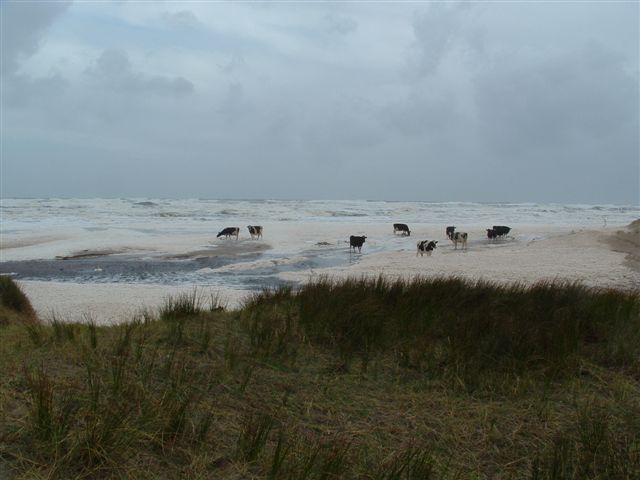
(439, 101)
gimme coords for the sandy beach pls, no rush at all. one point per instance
(598, 258)
(604, 257)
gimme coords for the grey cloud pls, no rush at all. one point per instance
(236, 63)
(183, 19)
(341, 125)
(421, 114)
(458, 103)
(437, 32)
(23, 25)
(340, 24)
(234, 103)
(20, 90)
(114, 71)
(549, 103)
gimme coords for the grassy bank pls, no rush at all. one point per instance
(358, 379)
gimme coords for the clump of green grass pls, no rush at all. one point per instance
(411, 464)
(182, 305)
(253, 436)
(15, 307)
(589, 448)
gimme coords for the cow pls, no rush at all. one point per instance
(459, 237)
(402, 228)
(426, 246)
(229, 232)
(450, 230)
(501, 230)
(356, 241)
(255, 231)
(497, 231)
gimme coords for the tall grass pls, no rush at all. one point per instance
(13, 301)
(589, 448)
(198, 392)
(469, 327)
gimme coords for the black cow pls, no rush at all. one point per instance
(450, 231)
(501, 230)
(229, 232)
(426, 246)
(402, 228)
(497, 231)
(356, 241)
(460, 237)
(255, 231)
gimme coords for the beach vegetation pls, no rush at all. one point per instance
(366, 379)
(15, 307)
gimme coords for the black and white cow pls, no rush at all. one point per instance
(459, 237)
(497, 231)
(356, 242)
(450, 230)
(426, 246)
(229, 232)
(402, 228)
(255, 231)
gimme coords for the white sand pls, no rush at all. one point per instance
(109, 303)
(533, 253)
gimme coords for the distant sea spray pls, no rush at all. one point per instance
(35, 215)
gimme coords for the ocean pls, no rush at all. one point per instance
(173, 241)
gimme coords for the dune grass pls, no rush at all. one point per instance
(358, 379)
(15, 307)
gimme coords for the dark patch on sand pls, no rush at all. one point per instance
(628, 241)
(6, 244)
(90, 254)
(227, 249)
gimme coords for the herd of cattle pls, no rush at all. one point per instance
(356, 241)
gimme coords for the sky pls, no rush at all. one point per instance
(430, 101)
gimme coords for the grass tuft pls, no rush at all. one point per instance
(15, 307)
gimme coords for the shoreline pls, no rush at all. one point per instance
(595, 257)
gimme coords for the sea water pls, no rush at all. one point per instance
(145, 237)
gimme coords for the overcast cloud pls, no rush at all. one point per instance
(455, 101)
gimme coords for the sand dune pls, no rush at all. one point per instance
(628, 242)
